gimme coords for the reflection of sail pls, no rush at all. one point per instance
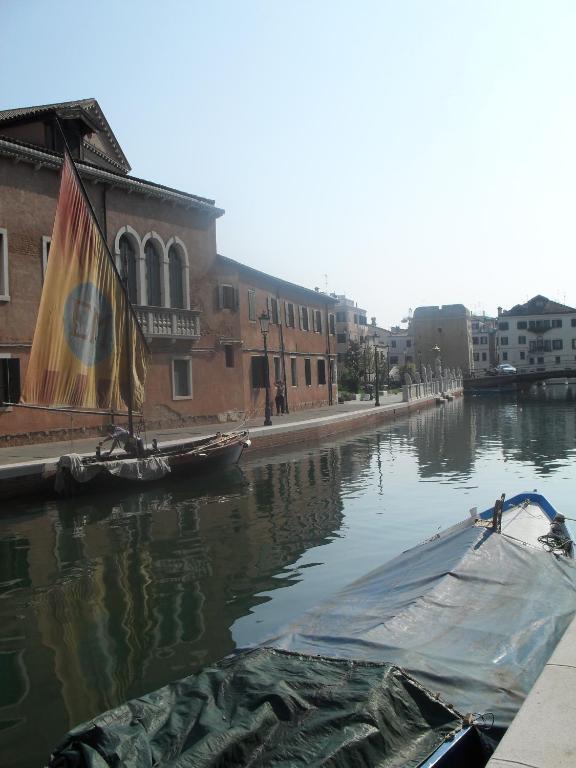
(129, 592)
(78, 355)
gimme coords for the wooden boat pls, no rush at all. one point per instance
(89, 355)
(73, 474)
(364, 679)
(189, 458)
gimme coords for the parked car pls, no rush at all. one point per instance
(504, 368)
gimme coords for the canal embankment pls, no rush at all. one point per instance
(309, 425)
(542, 733)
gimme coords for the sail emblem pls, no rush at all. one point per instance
(88, 325)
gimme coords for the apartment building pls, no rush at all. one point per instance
(537, 335)
(400, 347)
(483, 336)
(351, 322)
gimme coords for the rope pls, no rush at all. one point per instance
(552, 543)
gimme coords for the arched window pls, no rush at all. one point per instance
(128, 267)
(176, 264)
(153, 291)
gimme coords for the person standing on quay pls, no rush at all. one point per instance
(279, 397)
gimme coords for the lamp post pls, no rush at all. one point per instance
(264, 320)
(376, 356)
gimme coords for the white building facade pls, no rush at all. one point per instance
(538, 335)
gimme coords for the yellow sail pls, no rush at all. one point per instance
(79, 356)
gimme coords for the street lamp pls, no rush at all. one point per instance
(264, 320)
(376, 356)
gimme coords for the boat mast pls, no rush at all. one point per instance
(123, 282)
(128, 345)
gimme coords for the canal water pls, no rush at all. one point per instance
(106, 598)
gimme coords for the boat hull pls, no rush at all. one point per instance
(191, 458)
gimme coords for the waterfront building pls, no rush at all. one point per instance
(164, 242)
(443, 333)
(351, 322)
(537, 335)
(401, 347)
(301, 338)
(483, 330)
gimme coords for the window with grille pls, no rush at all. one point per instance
(229, 355)
(259, 372)
(308, 371)
(227, 294)
(4, 291)
(9, 380)
(321, 371)
(181, 378)
(251, 304)
(289, 314)
(274, 314)
(293, 372)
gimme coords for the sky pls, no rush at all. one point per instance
(406, 153)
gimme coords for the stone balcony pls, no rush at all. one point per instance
(168, 323)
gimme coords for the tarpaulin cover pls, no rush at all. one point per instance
(269, 708)
(471, 614)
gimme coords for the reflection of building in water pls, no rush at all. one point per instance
(124, 595)
(444, 439)
(539, 428)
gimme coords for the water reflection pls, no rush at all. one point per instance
(106, 598)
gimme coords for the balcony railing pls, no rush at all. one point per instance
(167, 323)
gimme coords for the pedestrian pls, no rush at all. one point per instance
(497, 514)
(120, 437)
(279, 397)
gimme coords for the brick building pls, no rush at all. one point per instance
(301, 339)
(164, 240)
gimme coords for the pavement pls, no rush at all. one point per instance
(295, 421)
(542, 733)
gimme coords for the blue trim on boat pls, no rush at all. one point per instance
(534, 498)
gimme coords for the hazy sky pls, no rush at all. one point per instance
(405, 153)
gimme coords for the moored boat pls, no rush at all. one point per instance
(423, 662)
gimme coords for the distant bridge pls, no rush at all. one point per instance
(522, 380)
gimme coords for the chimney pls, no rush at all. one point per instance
(499, 311)
(373, 319)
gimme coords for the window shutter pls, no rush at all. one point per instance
(236, 298)
(286, 315)
(219, 296)
(14, 379)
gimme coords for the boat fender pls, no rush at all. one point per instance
(247, 443)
